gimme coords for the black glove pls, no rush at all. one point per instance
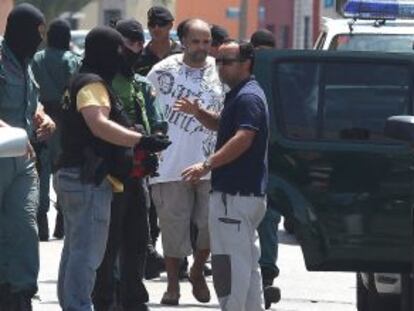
(150, 164)
(154, 142)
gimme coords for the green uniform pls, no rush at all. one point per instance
(19, 247)
(52, 69)
(140, 92)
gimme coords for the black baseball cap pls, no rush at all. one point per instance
(131, 29)
(159, 14)
(263, 37)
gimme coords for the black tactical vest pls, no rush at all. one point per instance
(80, 148)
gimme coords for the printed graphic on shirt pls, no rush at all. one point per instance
(174, 80)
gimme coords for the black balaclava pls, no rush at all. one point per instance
(132, 30)
(58, 35)
(102, 55)
(22, 34)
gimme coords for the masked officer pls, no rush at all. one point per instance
(52, 68)
(19, 247)
(129, 228)
(95, 134)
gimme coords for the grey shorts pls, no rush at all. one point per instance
(178, 204)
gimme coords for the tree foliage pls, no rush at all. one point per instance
(53, 8)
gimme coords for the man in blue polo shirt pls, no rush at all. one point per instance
(239, 177)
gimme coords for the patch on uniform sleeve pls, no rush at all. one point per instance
(221, 266)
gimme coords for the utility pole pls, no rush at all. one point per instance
(243, 19)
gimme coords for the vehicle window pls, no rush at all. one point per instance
(330, 101)
(79, 41)
(358, 98)
(298, 96)
(374, 42)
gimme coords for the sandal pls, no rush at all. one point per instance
(170, 299)
(200, 288)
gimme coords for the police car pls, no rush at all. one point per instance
(368, 28)
(372, 25)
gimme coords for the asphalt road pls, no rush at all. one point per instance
(301, 290)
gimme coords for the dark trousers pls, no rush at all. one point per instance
(127, 242)
(153, 224)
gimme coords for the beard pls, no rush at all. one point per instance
(198, 56)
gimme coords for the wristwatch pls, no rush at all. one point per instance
(207, 164)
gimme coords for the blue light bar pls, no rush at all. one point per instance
(379, 9)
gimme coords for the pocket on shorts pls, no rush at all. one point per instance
(221, 268)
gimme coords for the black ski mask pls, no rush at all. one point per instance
(58, 35)
(102, 52)
(132, 30)
(130, 58)
(22, 34)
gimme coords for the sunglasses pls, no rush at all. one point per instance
(227, 61)
(158, 23)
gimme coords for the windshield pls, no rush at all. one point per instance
(79, 40)
(373, 42)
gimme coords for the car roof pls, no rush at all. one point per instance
(364, 26)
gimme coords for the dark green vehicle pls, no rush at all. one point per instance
(347, 186)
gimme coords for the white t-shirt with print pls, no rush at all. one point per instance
(191, 142)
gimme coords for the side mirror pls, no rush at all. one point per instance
(400, 128)
(13, 142)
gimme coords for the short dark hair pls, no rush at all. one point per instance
(246, 51)
(218, 35)
(263, 37)
(180, 29)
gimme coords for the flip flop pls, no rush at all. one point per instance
(170, 299)
(200, 288)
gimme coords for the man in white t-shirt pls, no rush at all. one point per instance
(190, 76)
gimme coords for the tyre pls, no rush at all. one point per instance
(361, 294)
(368, 299)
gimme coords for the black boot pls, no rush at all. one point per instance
(59, 232)
(5, 297)
(43, 225)
(271, 293)
(21, 301)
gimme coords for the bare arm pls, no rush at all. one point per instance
(97, 119)
(233, 149)
(44, 125)
(208, 119)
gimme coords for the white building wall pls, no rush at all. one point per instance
(303, 21)
(89, 15)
